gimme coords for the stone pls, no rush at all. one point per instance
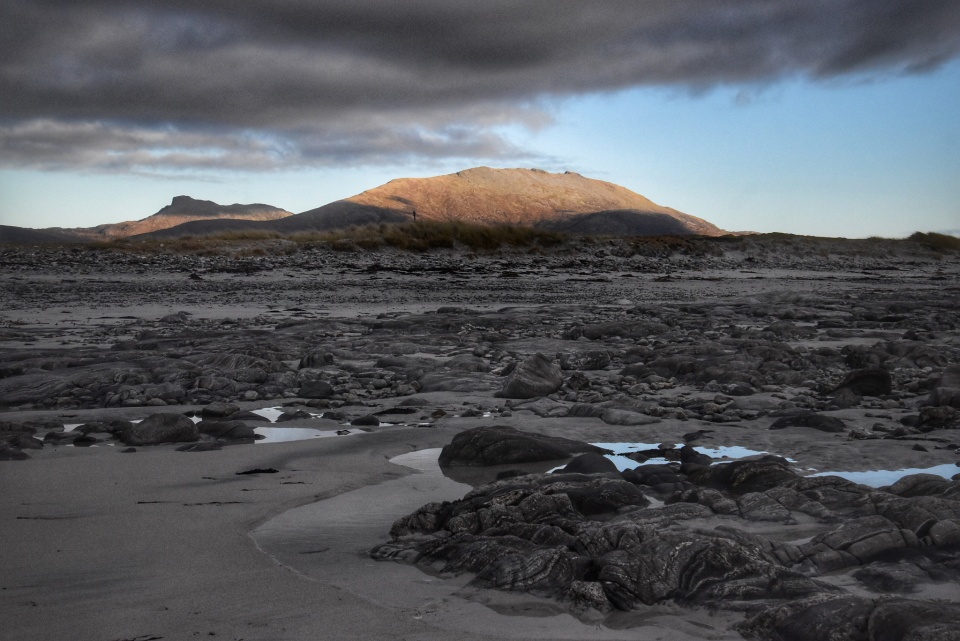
(366, 421)
(315, 389)
(219, 410)
(811, 420)
(535, 376)
(203, 446)
(946, 391)
(873, 381)
(499, 445)
(8, 453)
(231, 430)
(161, 428)
(615, 416)
(591, 463)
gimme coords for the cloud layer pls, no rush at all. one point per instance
(244, 84)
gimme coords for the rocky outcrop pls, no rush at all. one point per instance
(161, 428)
(590, 538)
(498, 445)
(535, 376)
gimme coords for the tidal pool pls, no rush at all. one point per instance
(624, 463)
(284, 434)
(880, 478)
(871, 478)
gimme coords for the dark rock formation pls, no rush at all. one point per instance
(591, 463)
(231, 430)
(498, 445)
(161, 428)
(535, 376)
(946, 392)
(868, 382)
(594, 541)
(810, 419)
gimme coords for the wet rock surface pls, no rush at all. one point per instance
(596, 542)
(833, 355)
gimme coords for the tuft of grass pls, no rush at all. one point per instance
(935, 241)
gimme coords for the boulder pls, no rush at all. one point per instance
(615, 416)
(161, 428)
(535, 376)
(946, 391)
(315, 389)
(234, 430)
(219, 410)
(499, 445)
(812, 420)
(872, 381)
(591, 463)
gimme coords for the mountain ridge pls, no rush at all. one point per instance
(566, 202)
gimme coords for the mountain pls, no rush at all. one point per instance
(184, 209)
(181, 210)
(563, 202)
(531, 197)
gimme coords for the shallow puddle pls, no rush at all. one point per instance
(284, 434)
(871, 478)
(881, 478)
(624, 463)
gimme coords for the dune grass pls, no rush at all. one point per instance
(429, 235)
(935, 241)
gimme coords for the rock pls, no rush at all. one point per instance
(366, 421)
(812, 420)
(938, 417)
(748, 475)
(315, 389)
(205, 446)
(535, 376)
(316, 359)
(904, 620)
(543, 407)
(872, 381)
(161, 428)
(591, 360)
(298, 415)
(219, 410)
(946, 391)
(499, 445)
(591, 463)
(882, 577)
(233, 430)
(8, 453)
(846, 398)
(614, 416)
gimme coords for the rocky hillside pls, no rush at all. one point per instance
(184, 209)
(531, 197)
(565, 202)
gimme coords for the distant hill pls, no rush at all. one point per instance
(528, 197)
(25, 236)
(182, 209)
(565, 202)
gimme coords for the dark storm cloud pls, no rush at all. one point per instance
(256, 84)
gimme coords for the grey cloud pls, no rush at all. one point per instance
(328, 80)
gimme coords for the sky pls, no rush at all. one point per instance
(822, 117)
